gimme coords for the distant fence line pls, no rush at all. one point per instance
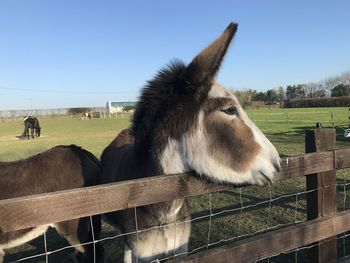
(333, 119)
(292, 112)
(43, 112)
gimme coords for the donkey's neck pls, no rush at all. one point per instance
(166, 212)
(171, 159)
(167, 160)
(163, 157)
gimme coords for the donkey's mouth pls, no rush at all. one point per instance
(269, 181)
(262, 179)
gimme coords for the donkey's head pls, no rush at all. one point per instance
(186, 121)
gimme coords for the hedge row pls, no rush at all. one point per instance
(319, 102)
(74, 111)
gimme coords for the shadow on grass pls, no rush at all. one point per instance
(285, 203)
(37, 247)
(113, 248)
(298, 135)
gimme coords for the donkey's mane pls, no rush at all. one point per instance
(165, 107)
(156, 94)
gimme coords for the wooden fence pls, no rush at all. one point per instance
(319, 165)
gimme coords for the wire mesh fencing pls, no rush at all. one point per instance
(217, 219)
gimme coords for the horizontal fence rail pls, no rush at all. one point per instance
(44, 112)
(24, 212)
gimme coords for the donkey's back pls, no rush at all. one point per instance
(119, 162)
(59, 168)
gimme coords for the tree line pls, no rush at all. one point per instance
(337, 86)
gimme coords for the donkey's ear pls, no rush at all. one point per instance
(203, 68)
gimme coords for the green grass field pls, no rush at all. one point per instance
(284, 127)
(93, 135)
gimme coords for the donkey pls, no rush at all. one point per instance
(31, 124)
(59, 168)
(184, 121)
(86, 116)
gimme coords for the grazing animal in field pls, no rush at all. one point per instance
(184, 121)
(59, 168)
(86, 116)
(31, 124)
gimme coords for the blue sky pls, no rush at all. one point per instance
(85, 53)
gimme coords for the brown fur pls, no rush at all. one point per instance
(220, 144)
(29, 176)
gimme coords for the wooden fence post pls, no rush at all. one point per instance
(321, 202)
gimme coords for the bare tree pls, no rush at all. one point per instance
(281, 95)
(331, 82)
(244, 96)
(311, 89)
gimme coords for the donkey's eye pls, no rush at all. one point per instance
(230, 111)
